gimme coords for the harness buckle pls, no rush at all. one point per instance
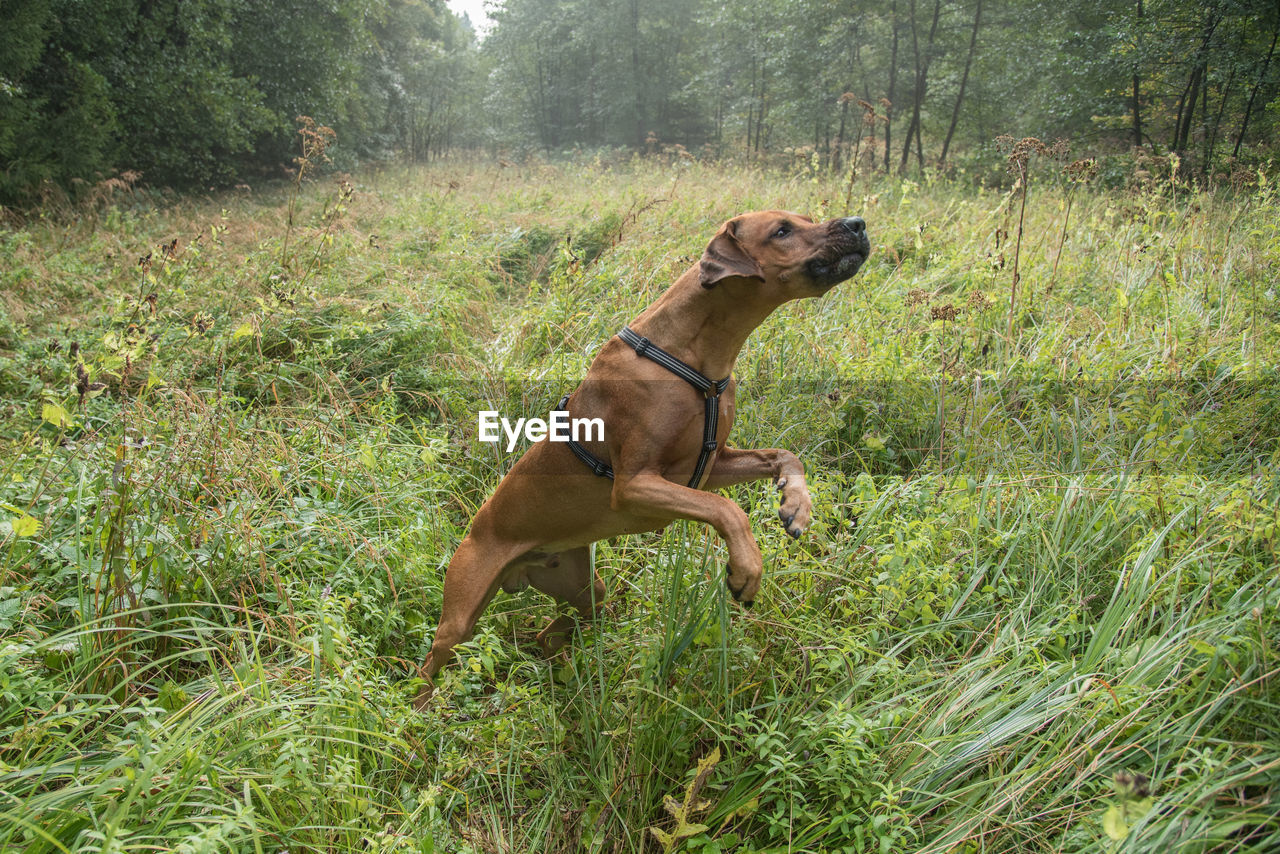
(709, 446)
(642, 346)
(599, 468)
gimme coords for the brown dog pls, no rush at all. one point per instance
(661, 433)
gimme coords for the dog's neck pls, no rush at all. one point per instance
(704, 328)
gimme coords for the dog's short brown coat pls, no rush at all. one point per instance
(537, 526)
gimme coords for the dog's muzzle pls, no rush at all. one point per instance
(847, 248)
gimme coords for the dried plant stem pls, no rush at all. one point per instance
(1017, 247)
(315, 140)
(942, 400)
(1062, 241)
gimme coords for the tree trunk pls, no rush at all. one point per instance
(915, 95)
(1137, 87)
(893, 79)
(719, 119)
(871, 137)
(922, 73)
(542, 108)
(760, 112)
(1248, 110)
(838, 152)
(1211, 136)
(964, 80)
(1187, 110)
(919, 146)
(1177, 119)
(1199, 80)
(636, 77)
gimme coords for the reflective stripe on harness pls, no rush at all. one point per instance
(598, 466)
(710, 389)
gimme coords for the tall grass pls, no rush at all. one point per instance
(1037, 610)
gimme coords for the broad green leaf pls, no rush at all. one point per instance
(26, 526)
(8, 610)
(55, 415)
(1114, 824)
(663, 838)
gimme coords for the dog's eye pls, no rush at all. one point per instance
(783, 230)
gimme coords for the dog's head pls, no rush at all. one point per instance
(786, 252)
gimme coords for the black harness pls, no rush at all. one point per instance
(710, 389)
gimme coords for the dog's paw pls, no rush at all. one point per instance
(796, 510)
(556, 635)
(745, 594)
(742, 576)
(423, 698)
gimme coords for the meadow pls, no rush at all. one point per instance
(1036, 612)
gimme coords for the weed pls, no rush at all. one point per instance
(1018, 162)
(1037, 610)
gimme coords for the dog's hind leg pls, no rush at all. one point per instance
(470, 582)
(569, 578)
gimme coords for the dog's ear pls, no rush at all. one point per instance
(725, 258)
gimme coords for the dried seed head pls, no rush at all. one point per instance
(1081, 170)
(946, 311)
(978, 301)
(1020, 151)
(1129, 784)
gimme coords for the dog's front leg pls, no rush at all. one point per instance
(650, 494)
(736, 465)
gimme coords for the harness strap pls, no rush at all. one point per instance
(708, 438)
(644, 347)
(710, 389)
(598, 466)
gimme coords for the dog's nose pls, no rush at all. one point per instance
(853, 224)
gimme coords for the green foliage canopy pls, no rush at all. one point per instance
(203, 93)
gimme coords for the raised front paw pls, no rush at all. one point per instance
(742, 575)
(796, 509)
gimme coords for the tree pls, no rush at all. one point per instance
(922, 59)
(57, 122)
(964, 81)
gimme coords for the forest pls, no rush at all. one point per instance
(203, 94)
(262, 265)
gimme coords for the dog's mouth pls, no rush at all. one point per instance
(833, 267)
